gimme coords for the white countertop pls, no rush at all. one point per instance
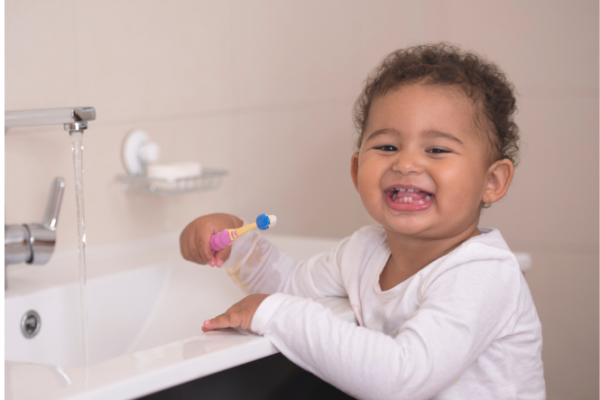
(144, 367)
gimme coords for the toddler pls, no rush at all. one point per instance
(441, 306)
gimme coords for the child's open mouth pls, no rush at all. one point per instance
(408, 199)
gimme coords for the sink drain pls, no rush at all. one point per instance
(30, 324)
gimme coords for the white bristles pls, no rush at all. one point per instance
(272, 220)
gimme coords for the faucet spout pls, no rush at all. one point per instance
(74, 119)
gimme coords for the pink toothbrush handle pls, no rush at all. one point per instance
(220, 240)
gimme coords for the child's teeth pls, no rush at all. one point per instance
(411, 199)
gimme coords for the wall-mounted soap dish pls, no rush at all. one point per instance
(144, 175)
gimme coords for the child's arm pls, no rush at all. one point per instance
(261, 267)
(461, 313)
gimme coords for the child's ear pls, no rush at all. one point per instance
(354, 169)
(499, 176)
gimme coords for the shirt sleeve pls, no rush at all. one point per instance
(258, 266)
(461, 312)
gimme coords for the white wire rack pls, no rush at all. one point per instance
(209, 179)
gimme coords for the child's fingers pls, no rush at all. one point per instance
(193, 248)
(203, 245)
(227, 320)
(194, 241)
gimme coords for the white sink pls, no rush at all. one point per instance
(127, 312)
(146, 306)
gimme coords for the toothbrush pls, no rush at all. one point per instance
(221, 240)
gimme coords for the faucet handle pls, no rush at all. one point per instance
(34, 243)
(55, 196)
(42, 236)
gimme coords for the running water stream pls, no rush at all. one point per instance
(77, 148)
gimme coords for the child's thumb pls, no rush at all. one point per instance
(222, 255)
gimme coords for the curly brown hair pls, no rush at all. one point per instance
(444, 64)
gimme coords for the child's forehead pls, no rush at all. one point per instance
(444, 102)
(425, 107)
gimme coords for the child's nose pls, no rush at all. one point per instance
(407, 164)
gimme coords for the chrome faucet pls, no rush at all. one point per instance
(74, 119)
(34, 243)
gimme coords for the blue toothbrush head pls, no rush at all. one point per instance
(264, 221)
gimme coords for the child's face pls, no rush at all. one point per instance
(423, 168)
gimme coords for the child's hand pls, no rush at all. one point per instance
(238, 316)
(194, 241)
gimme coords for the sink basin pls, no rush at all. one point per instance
(146, 306)
(127, 312)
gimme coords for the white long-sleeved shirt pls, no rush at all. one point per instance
(463, 327)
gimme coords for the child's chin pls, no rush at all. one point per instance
(409, 225)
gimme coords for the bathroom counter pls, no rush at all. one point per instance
(142, 337)
(137, 374)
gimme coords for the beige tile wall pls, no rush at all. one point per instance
(265, 89)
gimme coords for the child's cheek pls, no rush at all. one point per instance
(458, 189)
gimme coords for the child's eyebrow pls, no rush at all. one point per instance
(430, 132)
(381, 132)
(435, 133)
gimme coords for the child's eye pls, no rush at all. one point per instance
(437, 150)
(387, 147)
